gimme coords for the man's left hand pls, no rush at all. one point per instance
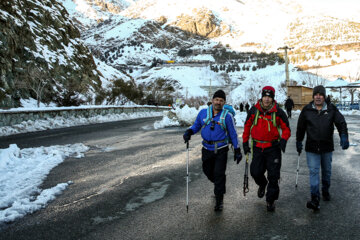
(283, 144)
(237, 155)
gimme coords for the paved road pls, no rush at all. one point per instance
(132, 185)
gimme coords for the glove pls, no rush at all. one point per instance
(344, 141)
(187, 135)
(299, 146)
(283, 144)
(237, 155)
(246, 148)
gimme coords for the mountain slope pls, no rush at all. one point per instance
(42, 55)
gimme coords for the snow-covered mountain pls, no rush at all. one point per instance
(133, 35)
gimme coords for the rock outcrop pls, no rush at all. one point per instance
(42, 56)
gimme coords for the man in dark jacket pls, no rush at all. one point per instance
(262, 124)
(289, 105)
(241, 107)
(217, 126)
(247, 107)
(317, 120)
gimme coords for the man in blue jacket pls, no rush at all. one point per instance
(217, 128)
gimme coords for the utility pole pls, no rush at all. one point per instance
(287, 82)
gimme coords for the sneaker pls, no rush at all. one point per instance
(261, 191)
(313, 203)
(326, 196)
(270, 206)
(219, 203)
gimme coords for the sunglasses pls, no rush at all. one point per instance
(212, 126)
(267, 91)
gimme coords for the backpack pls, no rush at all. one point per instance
(273, 120)
(222, 123)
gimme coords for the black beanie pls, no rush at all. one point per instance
(219, 94)
(319, 89)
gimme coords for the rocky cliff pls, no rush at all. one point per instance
(42, 56)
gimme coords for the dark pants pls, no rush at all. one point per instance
(288, 111)
(214, 167)
(268, 159)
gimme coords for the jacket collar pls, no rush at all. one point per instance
(272, 109)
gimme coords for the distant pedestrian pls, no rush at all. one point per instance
(263, 124)
(247, 107)
(241, 107)
(328, 99)
(289, 105)
(217, 129)
(317, 120)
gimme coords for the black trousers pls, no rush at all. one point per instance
(268, 159)
(288, 111)
(214, 167)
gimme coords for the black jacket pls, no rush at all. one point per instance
(319, 127)
(289, 103)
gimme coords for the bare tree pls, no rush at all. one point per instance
(353, 78)
(312, 79)
(34, 79)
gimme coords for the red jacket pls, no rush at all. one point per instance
(265, 131)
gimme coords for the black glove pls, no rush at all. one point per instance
(187, 135)
(283, 144)
(237, 155)
(299, 146)
(344, 141)
(246, 148)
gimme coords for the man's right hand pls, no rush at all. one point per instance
(299, 146)
(246, 148)
(187, 135)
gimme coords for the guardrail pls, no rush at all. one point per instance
(12, 117)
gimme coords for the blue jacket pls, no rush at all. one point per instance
(218, 133)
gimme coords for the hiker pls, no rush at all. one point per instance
(247, 107)
(317, 120)
(289, 104)
(216, 126)
(263, 124)
(241, 107)
(328, 99)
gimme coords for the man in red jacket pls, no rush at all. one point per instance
(263, 138)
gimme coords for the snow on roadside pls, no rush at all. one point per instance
(186, 117)
(61, 122)
(22, 171)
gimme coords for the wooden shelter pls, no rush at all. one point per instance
(301, 95)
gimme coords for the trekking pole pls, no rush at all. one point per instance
(246, 176)
(297, 171)
(187, 177)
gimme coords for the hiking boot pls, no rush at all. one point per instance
(270, 206)
(314, 203)
(219, 203)
(261, 191)
(326, 196)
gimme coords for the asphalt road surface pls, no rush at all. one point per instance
(132, 185)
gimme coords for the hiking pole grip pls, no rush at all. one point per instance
(297, 170)
(246, 176)
(187, 177)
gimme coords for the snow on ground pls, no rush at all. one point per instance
(187, 115)
(61, 122)
(22, 172)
